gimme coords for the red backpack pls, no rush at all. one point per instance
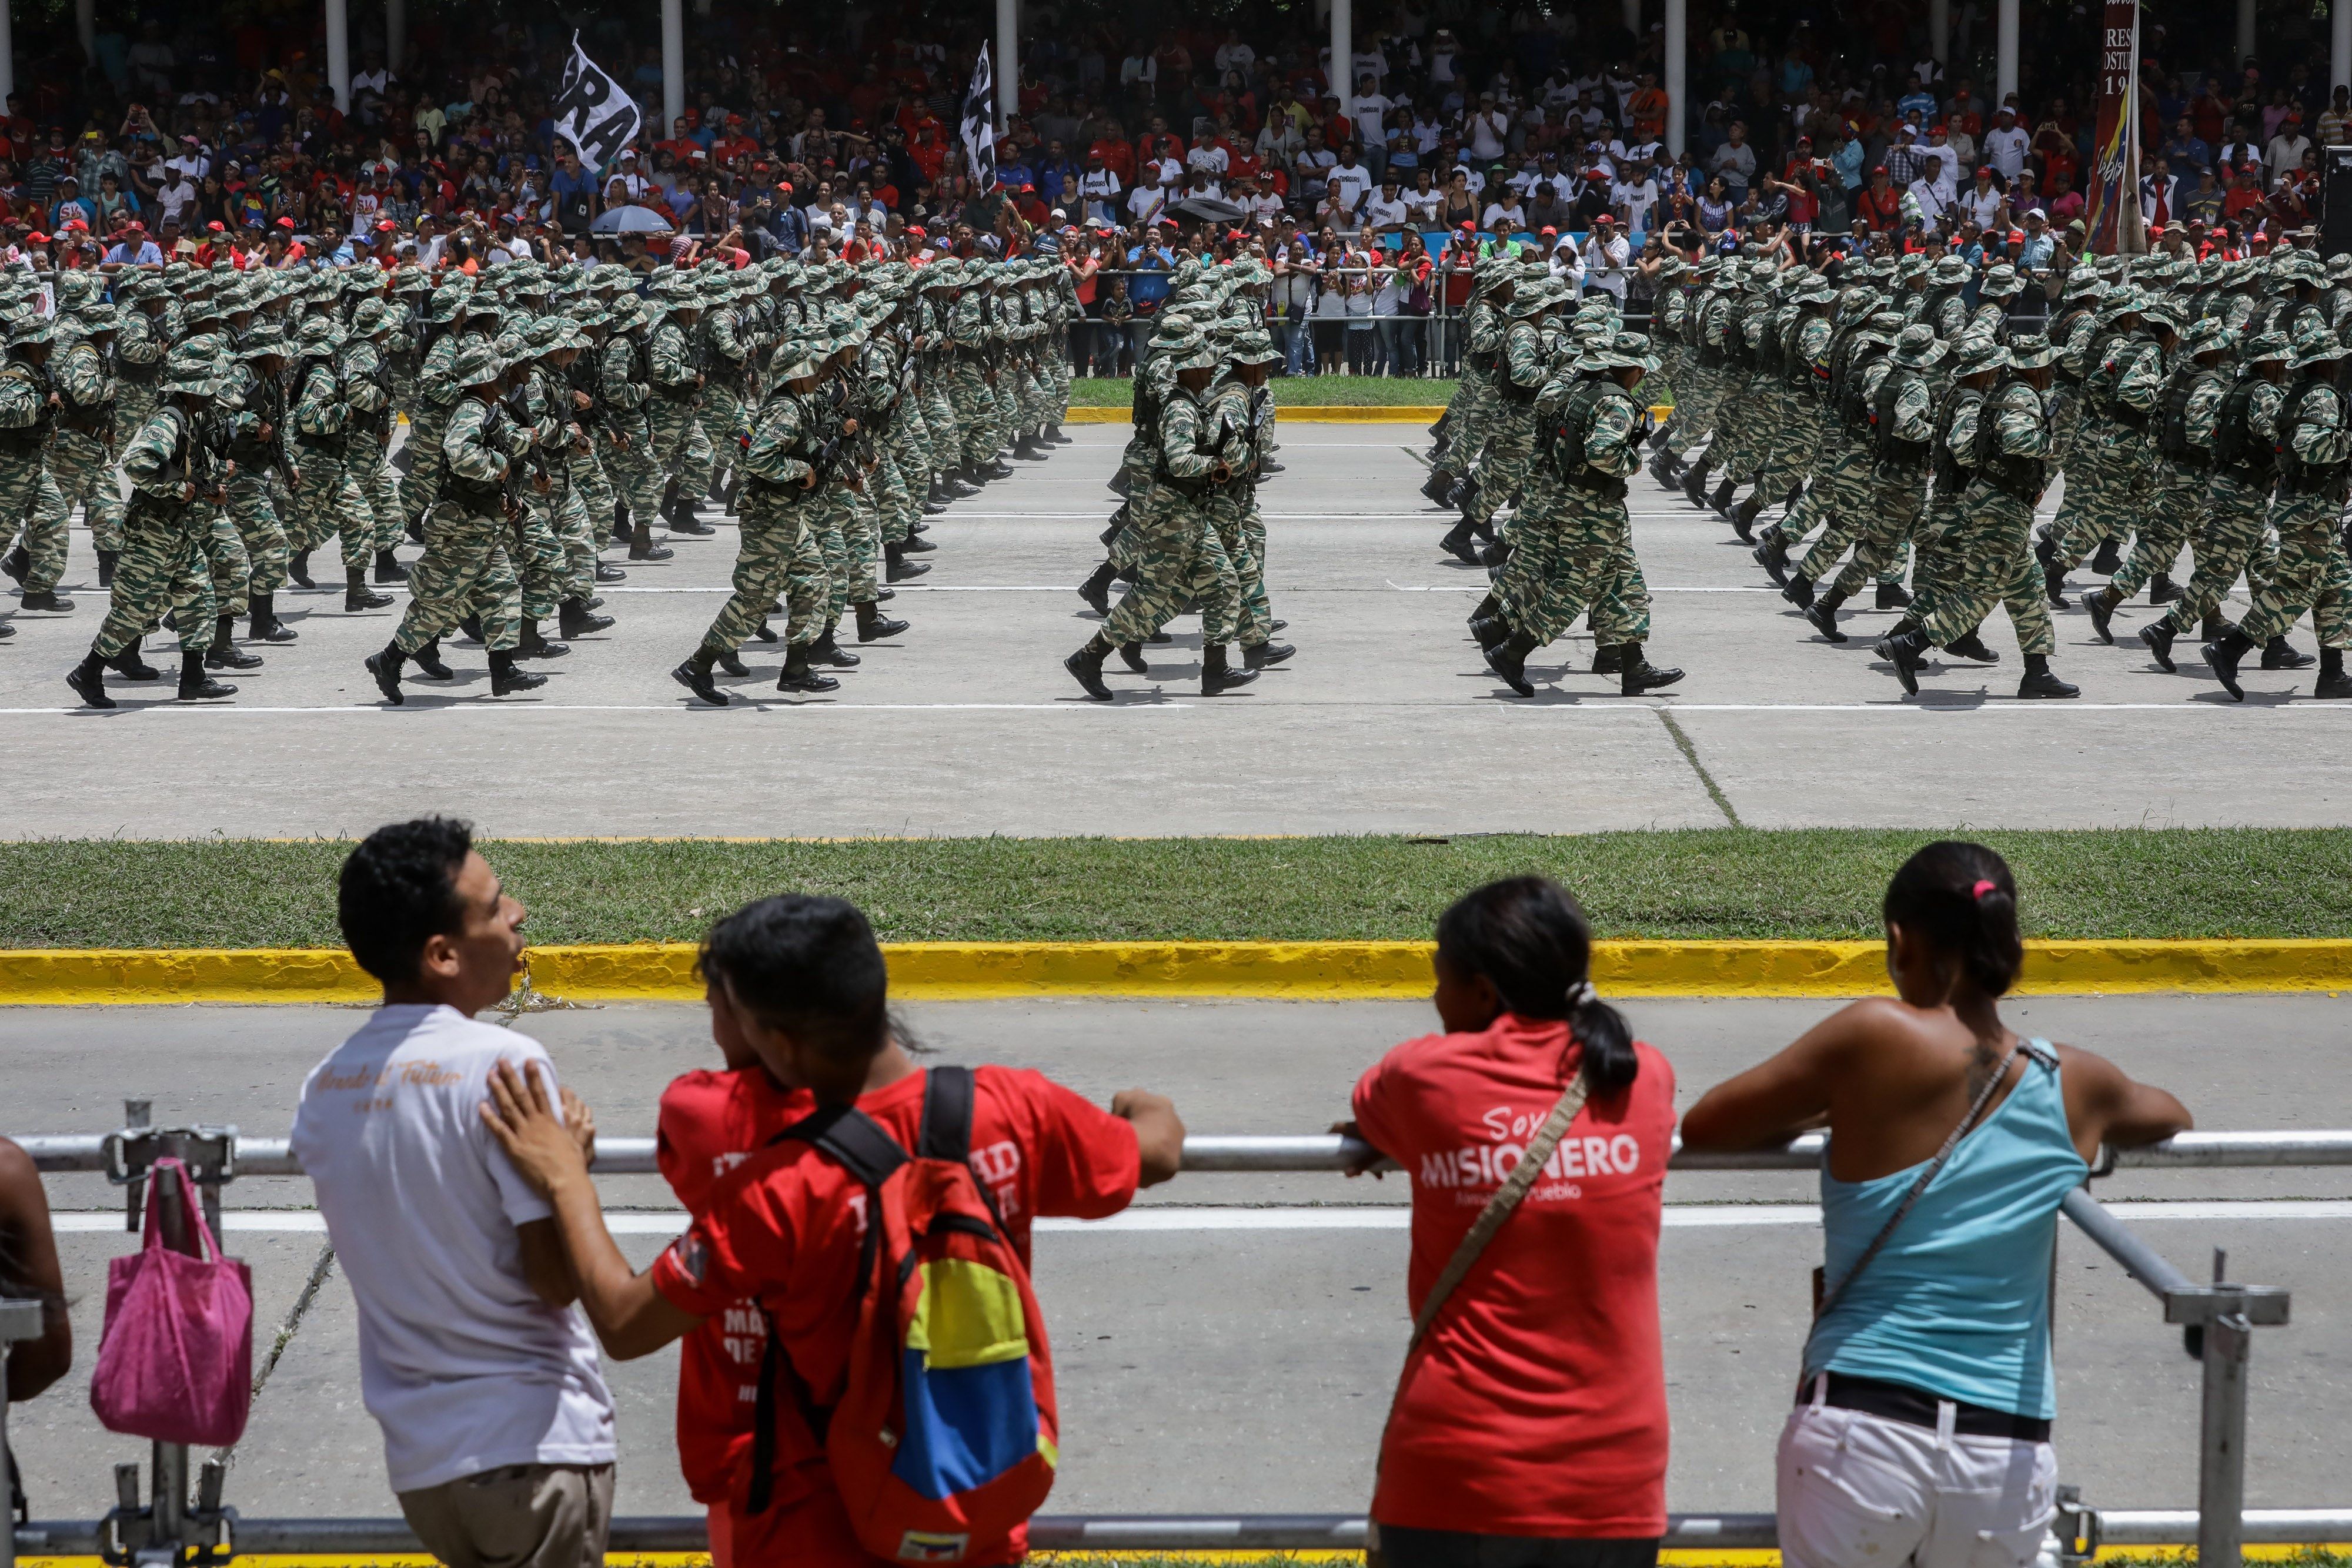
(942, 1438)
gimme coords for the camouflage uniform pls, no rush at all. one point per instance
(82, 456)
(778, 554)
(1988, 551)
(1179, 555)
(466, 561)
(161, 547)
(36, 514)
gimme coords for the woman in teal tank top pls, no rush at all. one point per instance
(1925, 1396)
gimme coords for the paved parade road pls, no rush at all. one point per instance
(1231, 1346)
(969, 724)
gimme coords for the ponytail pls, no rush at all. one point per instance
(1961, 900)
(1530, 939)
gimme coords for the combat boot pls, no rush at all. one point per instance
(2162, 590)
(197, 686)
(1131, 656)
(265, 626)
(2332, 681)
(2040, 683)
(1772, 554)
(1509, 659)
(826, 650)
(1904, 649)
(534, 646)
(18, 563)
(384, 668)
(1086, 665)
(2102, 602)
(507, 677)
(224, 654)
(642, 546)
(1799, 590)
(1892, 596)
(88, 680)
(573, 617)
(428, 660)
(796, 675)
(1494, 554)
(358, 596)
(1438, 485)
(873, 625)
(915, 544)
(2159, 635)
(1608, 659)
(2279, 653)
(1265, 655)
(2109, 559)
(298, 570)
(1216, 675)
(1822, 613)
(1096, 588)
(1743, 515)
(2215, 626)
(2223, 658)
(1719, 503)
(45, 599)
(131, 667)
(695, 676)
(897, 568)
(2054, 571)
(1636, 674)
(621, 527)
(763, 632)
(388, 567)
(1693, 483)
(1971, 646)
(1490, 632)
(106, 560)
(1456, 543)
(734, 665)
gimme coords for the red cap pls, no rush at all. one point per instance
(38, 238)
(214, 227)
(1603, 218)
(286, 223)
(385, 226)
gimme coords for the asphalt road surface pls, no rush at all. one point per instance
(968, 723)
(1231, 1343)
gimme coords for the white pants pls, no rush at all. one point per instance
(1856, 1489)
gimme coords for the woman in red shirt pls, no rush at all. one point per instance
(1533, 1409)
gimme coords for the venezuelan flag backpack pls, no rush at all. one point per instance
(942, 1439)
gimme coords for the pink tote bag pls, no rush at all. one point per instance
(175, 1360)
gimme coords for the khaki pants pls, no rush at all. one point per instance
(518, 1516)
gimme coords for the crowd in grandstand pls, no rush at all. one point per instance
(1367, 189)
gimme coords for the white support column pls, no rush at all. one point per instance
(7, 51)
(339, 52)
(1008, 60)
(1939, 31)
(2339, 44)
(86, 27)
(2245, 31)
(2005, 54)
(672, 65)
(1633, 19)
(1677, 73)
(1343, 51)
(395, 35)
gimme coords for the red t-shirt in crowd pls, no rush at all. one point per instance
(785, 1227)
(1537, 1405)
(710, 1122)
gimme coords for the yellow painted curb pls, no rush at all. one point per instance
(1303, 971)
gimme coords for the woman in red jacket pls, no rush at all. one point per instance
(1530, 1427)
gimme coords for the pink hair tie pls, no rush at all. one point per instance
(1982, 888)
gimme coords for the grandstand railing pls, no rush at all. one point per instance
(2216, 1320)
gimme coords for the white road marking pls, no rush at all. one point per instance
(1365, 1217)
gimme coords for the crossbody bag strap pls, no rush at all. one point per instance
(1490, 1219)
(1918, 1188)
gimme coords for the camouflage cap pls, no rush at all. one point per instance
(2265, 346)
(477, 363)
(96, 316)
(2001, 282)
(32, 329)
(2318, 348)
(2210, 335)
(1975, 356)
(1916, 348)
(2028, 351)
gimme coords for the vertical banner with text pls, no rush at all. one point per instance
(2114, 218)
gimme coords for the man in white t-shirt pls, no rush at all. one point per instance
(479, 1369)
(1144, 202)
(1352, 179)
(2005, 144)
(1368, 111)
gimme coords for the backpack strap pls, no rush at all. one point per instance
(946, 1132)
(864, 1148)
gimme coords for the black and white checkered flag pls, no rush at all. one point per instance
(979, 126)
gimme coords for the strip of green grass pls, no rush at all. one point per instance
(1725, 883)
(1293, 391)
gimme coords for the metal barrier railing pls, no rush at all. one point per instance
(2217, 1322)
